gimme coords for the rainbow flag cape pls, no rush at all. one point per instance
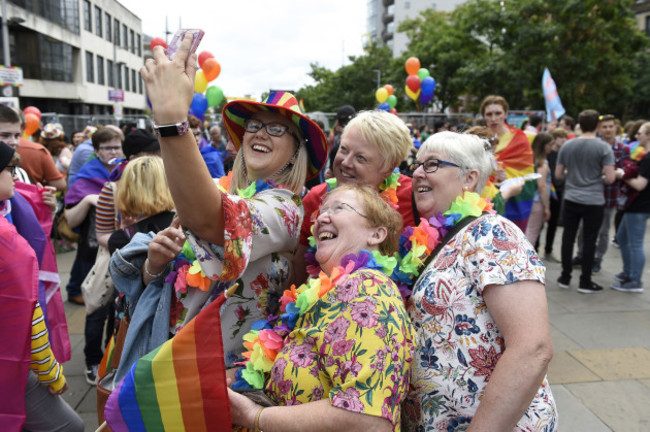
(554, 192)
(637, 152)
(179, 386)
(516, 155)
(89, 180)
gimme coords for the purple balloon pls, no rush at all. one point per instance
(199, 104)
(428, 86)
(425, 99)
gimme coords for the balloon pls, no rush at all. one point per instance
(412, 66)
(384, 106)
(203, 57)
(199, 104)
(158, 42)
(392, 101)
(211, 69)
(214, 94)
(389, 88)
(423, 73)
(381, 94)
(393, 111)
(33, 110)
(32, 123)
(428, 85)
(413, 95)
(413, 82)
(425, 99)
(200, 82)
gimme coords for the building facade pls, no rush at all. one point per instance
(74, 52)
(384, 17)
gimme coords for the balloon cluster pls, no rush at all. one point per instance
(204, 96)
(419, 84)
(32, 120)
(387, 100)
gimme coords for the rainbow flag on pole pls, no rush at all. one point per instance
(179, 386)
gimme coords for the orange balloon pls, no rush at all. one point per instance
(32, 123)
(412, 66)
(389, 88)
(211, 69)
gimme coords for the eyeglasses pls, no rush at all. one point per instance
(606, 117)
(431, 165)
(111, 148)
(338, 208)
(12, 169)
(273, 128)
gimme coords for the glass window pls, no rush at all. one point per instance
(139, 83)
(107, 20)
(62, 12)
(110, 71)
(44, 58)
(100, 70)
(116, 32)
(126, 78)
(407, 5)
(125, 40)
(132, 33)
(118, 75)
(98, 21)
(87, 17)
(133, 80)
(647, 25)
(139, 46)
(90, 67)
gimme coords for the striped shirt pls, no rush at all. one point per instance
(105, 211)
(47, 369)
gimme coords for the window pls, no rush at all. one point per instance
(107, 20)
(140, 84)
(132, 41)
(118, 75)
(647, 25)
(139, 46)
(133, 80)
(87, 17)
(407, 5)
(110, 71)
(100, 70)
(125, 40)
(90, 67)
(126, 78)
(98, 21)
(116, 32)
(47, 58)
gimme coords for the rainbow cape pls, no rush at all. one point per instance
(89, 180)
(516, 155)
(637, 152)
(554, 192)
(179, 386)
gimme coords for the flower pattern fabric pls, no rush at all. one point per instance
(260, 235)
(458, 343)
(353, 346)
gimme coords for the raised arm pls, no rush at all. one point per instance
(170, 86)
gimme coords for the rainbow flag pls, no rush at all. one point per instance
(516, 155)
(554, 192)
(179, 386)
(637, 152)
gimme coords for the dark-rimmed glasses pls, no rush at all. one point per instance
(338, 208)
(272, 128)
(12, 169)
(431, 165)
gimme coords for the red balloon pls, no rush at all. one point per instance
(393, 111)
(413, 82)
(33, 110)
(211, 69)
(158, 42)
(389, 88)
(203, 57)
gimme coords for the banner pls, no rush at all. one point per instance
(554, 108)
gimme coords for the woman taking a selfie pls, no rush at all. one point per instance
(246, 229)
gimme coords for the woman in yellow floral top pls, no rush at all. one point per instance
(339, 355)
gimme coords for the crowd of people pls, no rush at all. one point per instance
(388, 276)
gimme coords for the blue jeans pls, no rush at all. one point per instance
(630, 237)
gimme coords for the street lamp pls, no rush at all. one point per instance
(378, 77)
(5, 35)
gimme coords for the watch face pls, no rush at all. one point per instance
(177, 129)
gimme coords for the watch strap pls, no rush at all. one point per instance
(176, 129)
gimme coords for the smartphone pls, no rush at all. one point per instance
(172, 47)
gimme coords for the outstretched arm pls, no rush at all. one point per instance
(170, 86)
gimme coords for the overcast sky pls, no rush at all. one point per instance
(263, 44)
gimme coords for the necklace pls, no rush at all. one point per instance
(267, 337)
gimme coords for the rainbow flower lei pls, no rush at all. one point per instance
(186, 269)
(267, 337)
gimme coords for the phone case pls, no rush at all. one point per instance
(172, 47)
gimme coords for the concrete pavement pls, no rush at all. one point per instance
(600, 374)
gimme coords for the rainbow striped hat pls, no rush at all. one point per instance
(284, 103)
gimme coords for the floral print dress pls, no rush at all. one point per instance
(458, 343)
(260, 236)
(353, 346)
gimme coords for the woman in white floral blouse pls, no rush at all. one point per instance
(479, 308)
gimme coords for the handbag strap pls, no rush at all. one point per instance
(450, 234)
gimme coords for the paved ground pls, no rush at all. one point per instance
(600, 374)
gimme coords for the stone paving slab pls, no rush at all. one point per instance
(565, 369)
(616, 364)
(573, 415)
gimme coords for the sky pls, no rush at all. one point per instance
(263, 44)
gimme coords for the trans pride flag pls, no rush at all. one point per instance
(179, 386)
(516, 155)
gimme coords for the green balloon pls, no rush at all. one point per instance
(392, 101)
(423, 73)
(214, 95)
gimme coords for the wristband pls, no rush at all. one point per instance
(257, 420)
(146, 270)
